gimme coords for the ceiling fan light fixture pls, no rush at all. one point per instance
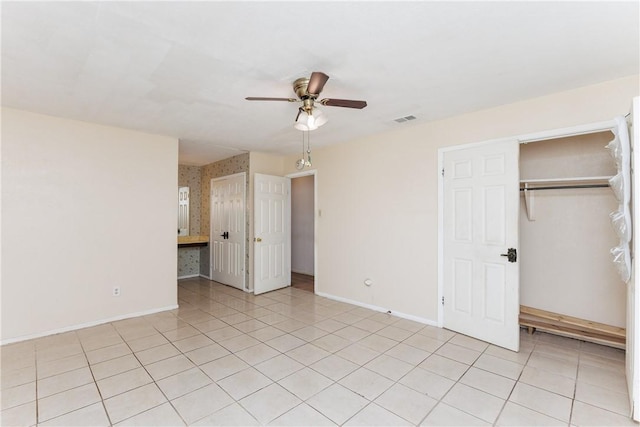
(319, 117)
(310, 121)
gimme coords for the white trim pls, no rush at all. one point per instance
(633, 290)
(301, 174)
(380, 309)
(188, 276)
(440, 237)
(474, 144)
(541, 136)
(206, 277)
(87, 325)
(233, 175)
(567, 132)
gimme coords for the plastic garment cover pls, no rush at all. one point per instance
(615, 150)
(620, 184)
(620, 150)
(622, 261)
(619, 147)
(621, 223)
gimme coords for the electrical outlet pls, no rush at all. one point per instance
(116, 291)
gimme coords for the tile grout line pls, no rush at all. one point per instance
(515, 383)
(153, 380)
(454, 384)
(95, 381)
(192, 309)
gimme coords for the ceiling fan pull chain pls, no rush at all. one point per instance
(308, 163)
(301, 162)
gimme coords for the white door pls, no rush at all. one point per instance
(272, 233)
(227, 240)
(183, 211)
(481, 208)
(633, 292)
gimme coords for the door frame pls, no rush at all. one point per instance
(316, 216)
(244, 222)
(633, 383)
(522, 139)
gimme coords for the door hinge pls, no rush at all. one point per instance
(442, 300)
(442, 171)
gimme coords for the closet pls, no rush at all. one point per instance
(569, 282)
(567, 265)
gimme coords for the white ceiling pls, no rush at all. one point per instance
(183, 69)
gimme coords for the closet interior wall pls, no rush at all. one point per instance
(565, 264)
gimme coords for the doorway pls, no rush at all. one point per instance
(303, 231)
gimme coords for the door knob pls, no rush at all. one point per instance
(225, 235)
(258, 239)
(512, 255)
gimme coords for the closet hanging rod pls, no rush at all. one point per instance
(565, 187)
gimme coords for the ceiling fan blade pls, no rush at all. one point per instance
(349, 103)
(316, 82)
(260, 98)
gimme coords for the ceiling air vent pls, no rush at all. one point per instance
(405, 119)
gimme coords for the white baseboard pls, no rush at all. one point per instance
(203, 276)
(188, 276)
(380, 309)
(87, 325)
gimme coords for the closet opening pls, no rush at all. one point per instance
(568, 282)
(303, 232)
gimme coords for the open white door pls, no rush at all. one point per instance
(633, 291)
(481, 207)
(272, 233)
(227, 240)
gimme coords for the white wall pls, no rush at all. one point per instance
(85, 208)
(302, 219)
(379, 214)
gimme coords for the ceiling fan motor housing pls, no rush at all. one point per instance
(300, 87)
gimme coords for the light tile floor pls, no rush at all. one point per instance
(289, 357)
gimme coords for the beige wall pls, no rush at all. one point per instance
(379, 214)
(85, 208)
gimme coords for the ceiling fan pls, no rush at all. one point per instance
(308, 90)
